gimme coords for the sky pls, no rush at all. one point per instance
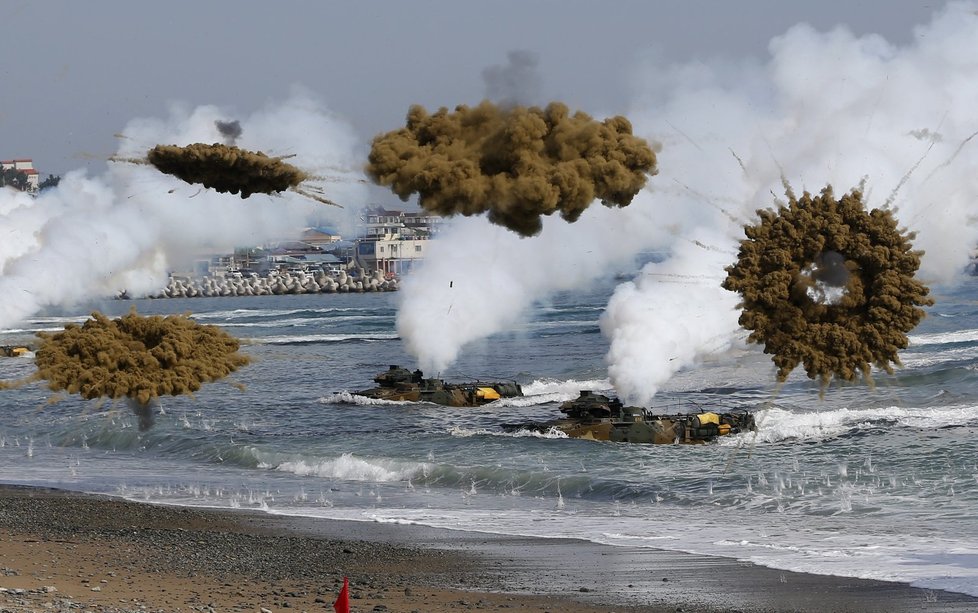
(76, 72)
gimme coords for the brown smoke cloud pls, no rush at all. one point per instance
(136, 357)
(226, 168)
(829, 285)
(516, 163)
(230, 169)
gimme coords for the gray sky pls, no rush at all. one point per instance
(74, 73)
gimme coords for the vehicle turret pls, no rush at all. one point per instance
(394, 375)
(591, 405)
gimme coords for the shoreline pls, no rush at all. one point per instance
(118, 555)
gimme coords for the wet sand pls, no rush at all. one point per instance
(62, 551)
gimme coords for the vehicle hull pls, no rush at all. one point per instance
(399, 384)
(597, 417)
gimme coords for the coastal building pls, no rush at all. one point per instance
(321, 236)
(390, 254)
(423, 223)
(381, 222)
(299, 256)
(285, 256)
(389, 241)
(394, 241)
(26, 166)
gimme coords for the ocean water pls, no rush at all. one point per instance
(868, 482)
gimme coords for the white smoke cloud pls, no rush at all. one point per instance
(92, 237)
(670, 316)
(825, 108)
(479, 278)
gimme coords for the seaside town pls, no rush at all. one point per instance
(387, 244)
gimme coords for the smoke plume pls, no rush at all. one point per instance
(230, 130)
(668, 317)
(136, 357)
(93, 236)
(517, 164)
(226, 169)
(824, 108)
(827, 284)
(478, 279)
(516, 83)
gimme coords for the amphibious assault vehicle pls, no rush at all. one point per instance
(401, 384)
(14, 351)
(598, 417)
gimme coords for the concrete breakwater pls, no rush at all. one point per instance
(277, 283)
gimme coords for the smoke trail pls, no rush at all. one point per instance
(93, 236)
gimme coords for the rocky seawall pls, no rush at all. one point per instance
(277, 283)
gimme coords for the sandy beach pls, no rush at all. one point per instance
(62, 551)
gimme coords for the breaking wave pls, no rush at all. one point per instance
(522, 433)
(348, 467)
(351, 398)
(778, 424)
(943, 338)
(550, 390)
(369, 337)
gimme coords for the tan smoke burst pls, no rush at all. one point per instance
(229, 169)
(136, 357)
(837, 320)
(516, 163)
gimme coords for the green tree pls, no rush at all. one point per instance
(51, 181)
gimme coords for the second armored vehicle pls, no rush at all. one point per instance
(401, 384)
(598, 417)
(14, 351)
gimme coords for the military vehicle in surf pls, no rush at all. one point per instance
(399, 383)
(598, 417)
(14, 351)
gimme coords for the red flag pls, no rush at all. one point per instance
(342, 604)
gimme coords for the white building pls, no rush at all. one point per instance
(384, 222)
(394, 256)
(394, 241)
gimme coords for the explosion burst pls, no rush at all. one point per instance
(134, 357)
(229, 169)
(829, 285)
(516, 163)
